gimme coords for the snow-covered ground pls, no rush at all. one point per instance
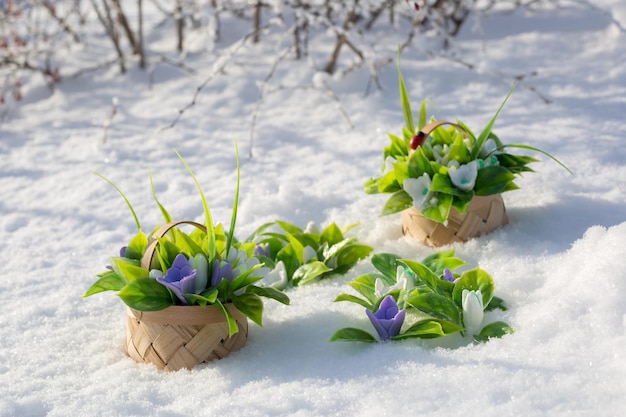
(560, 264)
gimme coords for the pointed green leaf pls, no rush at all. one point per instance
(146, 294)
(437, 306)
(494, 330)
(251, 306)
(404, 99)
(351, 334)
(473, 280)
(309, 271)
(398, 201)
(269, 292)
(109, 281)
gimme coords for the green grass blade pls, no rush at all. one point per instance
(164, 212)
(124, 197)
(210, 232)
(233, 217)
(532, 148)
(480, 141)
(404, 98)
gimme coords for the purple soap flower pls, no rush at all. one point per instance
(388, 319)
(123, 251)
(221, 270)
(262, 249)
(180, 278)
(448, 276)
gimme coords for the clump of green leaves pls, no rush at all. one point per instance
(307, 255)
(438, 302)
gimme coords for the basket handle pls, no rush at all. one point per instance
(146, 259)
(427, 130)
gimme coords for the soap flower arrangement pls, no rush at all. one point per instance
(299, 256)
(446, 167)
(408, 299)
(207, 266)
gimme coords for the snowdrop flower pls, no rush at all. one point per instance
(418, 189)
(235, 264)
(180, 278)
(464, 177)
(311, 227)
(389, 161)
(488, 147)
(388, 319)
(472, 302)
(309, 253)
(277, 277)
(406, 277)
(440, 153)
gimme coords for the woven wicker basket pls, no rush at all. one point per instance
(181, 336)
(483, 215)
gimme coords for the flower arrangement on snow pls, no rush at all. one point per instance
(409, 299)
(298, 256)
(438, 168)
(204, 277)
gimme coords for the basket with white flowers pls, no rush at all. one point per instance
(447, 181)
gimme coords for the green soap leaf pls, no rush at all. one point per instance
(388, 183)
(269, 292)
(419, 164)
(496, 303)
(167, 252)
(354, 299)
(458, 151)
(492, 180)
(351, 334)
(289, 258)
(146, 294)
(365, 285)
(309, 271)
(187, 245)
(484, 135)
(204, 299)
(428, 329)
(298, 249)
(401, 170)
(331, 235)
(440, 211)
(398, 201)
(493, 330)
(288, 227)
(515, 161)
(386, 263)
(137, 246)
(109, 281)
(351, 254)
(473, 280)
(251, 306)
(232, 324)
(371, 186)
(461, 203)
(128, 269)
(422, 273)
(439, 261)
(397, 148)
(437, 306)
(443, 184)
(404, 99)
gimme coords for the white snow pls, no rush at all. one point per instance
(560, 264)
